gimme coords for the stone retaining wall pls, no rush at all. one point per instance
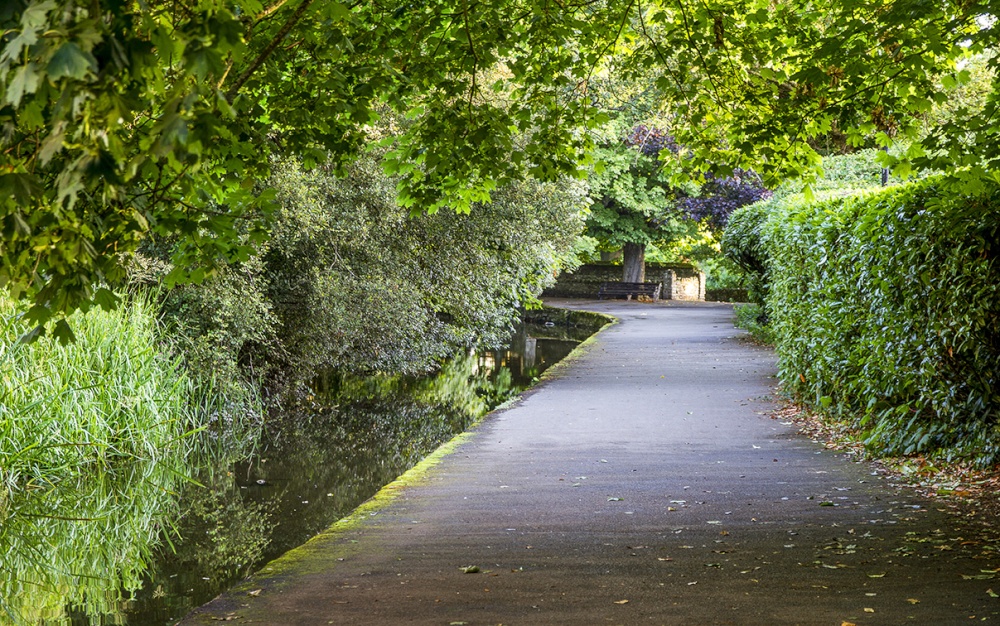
(727, 294)
(680, 281)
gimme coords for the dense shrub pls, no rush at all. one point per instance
(742, 243)
(359, 284)
(350, 280)
(886, 307)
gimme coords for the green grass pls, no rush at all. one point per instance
(108, 397)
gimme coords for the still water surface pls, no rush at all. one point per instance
(229, 507)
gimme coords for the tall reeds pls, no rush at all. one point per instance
(91, 454)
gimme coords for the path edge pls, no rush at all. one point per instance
(271, 574)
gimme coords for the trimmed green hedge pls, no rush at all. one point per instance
(885, 308)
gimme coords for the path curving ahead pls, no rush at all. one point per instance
(643, 483)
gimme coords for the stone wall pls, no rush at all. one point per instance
(679, 281)
(727, 294)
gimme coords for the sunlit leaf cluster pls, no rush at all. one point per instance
(121, 119)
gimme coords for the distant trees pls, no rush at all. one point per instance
(633, 201)
(720, 196)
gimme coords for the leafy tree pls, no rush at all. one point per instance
(120, 119)
(719, 197)
(350, 280)
(633, 199)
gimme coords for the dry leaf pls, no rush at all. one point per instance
(868, 610)
(621, 601)
(913, 601)
(254, 593)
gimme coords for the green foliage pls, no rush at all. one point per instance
(90, 437)
(109, 397)
(224, 328)
(842, 173)
(122, 120)
(751, 317)
(351, 280)
(743, 244)
(885, 306)
(632, 198)
(742, 241)
(967, 96)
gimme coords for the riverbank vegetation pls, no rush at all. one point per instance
(96, 437)
(350, 280)
(118, 442)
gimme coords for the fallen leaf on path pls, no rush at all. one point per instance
(848, 624)
(471, 569)
(913, 601)
(992, 593)
(621, 601)
(869, 610)
(254, 593)
(614, 499)
(882, 575)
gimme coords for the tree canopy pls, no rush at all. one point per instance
(633, 201)
(119, 118)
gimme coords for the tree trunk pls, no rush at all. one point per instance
(634, 264)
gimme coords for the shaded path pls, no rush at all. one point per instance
(645, 471)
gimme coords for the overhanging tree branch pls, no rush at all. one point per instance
(269, 49)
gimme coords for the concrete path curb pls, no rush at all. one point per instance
(643, 483)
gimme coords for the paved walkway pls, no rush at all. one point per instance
(643, 483)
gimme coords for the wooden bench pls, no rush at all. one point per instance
(629, 290)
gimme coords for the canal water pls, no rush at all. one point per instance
(235, 503)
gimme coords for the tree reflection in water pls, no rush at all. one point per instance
(212, 520)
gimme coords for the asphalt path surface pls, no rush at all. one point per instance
(644, 482)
